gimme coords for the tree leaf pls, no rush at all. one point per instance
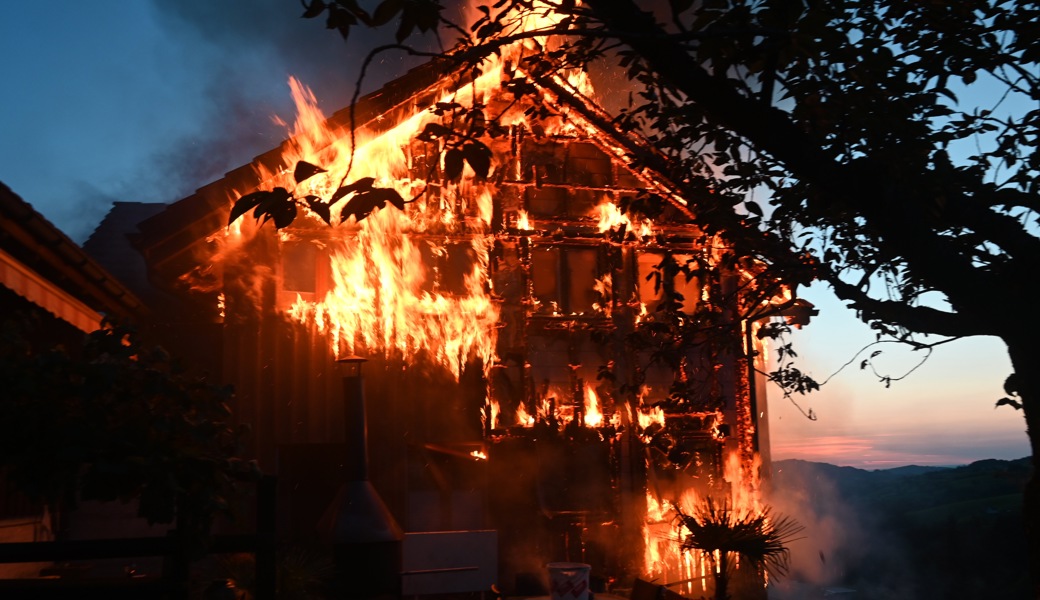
(478, 155)
(1010, 402)
(434, 131)
(366, 201)
(386, 10)
(313, 9)
(363, 184)
(320, 208)
(405, 28)
(283, 213)
(245, 204)
(453, 163)
(425, 14)
(1011, 385)
(394, 198)
(680, 6)
(305, 170)
(359, 207)
(263, 202)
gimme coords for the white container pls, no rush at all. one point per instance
(569, 580)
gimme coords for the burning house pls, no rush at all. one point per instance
(537, 357)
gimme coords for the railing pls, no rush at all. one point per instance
(174, 582)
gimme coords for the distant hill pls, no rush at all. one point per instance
(910, 488)
(910, 532)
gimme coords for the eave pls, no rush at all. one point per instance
(44, 266)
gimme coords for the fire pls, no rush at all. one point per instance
(593, 416)
(552, 408)
(650, 416)
(490, 414)
(382, 296)
(662, 533)
(609, 217)
(522, 222)
(395, 287)
(523, 418)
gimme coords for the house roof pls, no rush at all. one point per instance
(44, 266)
(110, 244)
(175, 241)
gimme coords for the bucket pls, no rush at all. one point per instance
(569, 580)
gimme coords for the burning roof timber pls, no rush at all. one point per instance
(173, 240)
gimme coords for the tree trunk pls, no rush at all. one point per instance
(722, 576)
(1026, 383)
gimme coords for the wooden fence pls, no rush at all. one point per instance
(174, 582)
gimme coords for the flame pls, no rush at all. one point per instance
(609, 217)
(490, 413)
(593, 416)
(552, 409)
(663, 556)
(523, 418)
(650, 416)
(382, 297)
(522, 222)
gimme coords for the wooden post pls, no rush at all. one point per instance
(266, 551)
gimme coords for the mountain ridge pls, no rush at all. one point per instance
(906, 532)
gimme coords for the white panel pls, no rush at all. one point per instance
(449, 562)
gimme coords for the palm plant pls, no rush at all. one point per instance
(723, 532)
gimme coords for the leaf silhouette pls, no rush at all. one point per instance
(305, 170)
(364, 202)
(361, 185)
(478, 155)
(263, 201)
(313, 9)
(1010, 402)
(453, 163)
(320, 208)
(433, 132)
(283, 213)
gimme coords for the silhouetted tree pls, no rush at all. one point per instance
(116, 420)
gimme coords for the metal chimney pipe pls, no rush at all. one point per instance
(365, 537)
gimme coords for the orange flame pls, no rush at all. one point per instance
(610, 217)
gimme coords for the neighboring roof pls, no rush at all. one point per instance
(110, 245)
(44, 266)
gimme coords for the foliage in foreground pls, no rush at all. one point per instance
(726, 534)
(116, 420)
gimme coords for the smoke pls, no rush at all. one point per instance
(844, 544)
(240, 55)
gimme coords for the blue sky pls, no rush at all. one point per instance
(142, 100)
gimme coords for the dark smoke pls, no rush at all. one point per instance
(250, 49)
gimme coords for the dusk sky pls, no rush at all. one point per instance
(126, 100)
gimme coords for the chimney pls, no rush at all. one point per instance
(365, 537)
